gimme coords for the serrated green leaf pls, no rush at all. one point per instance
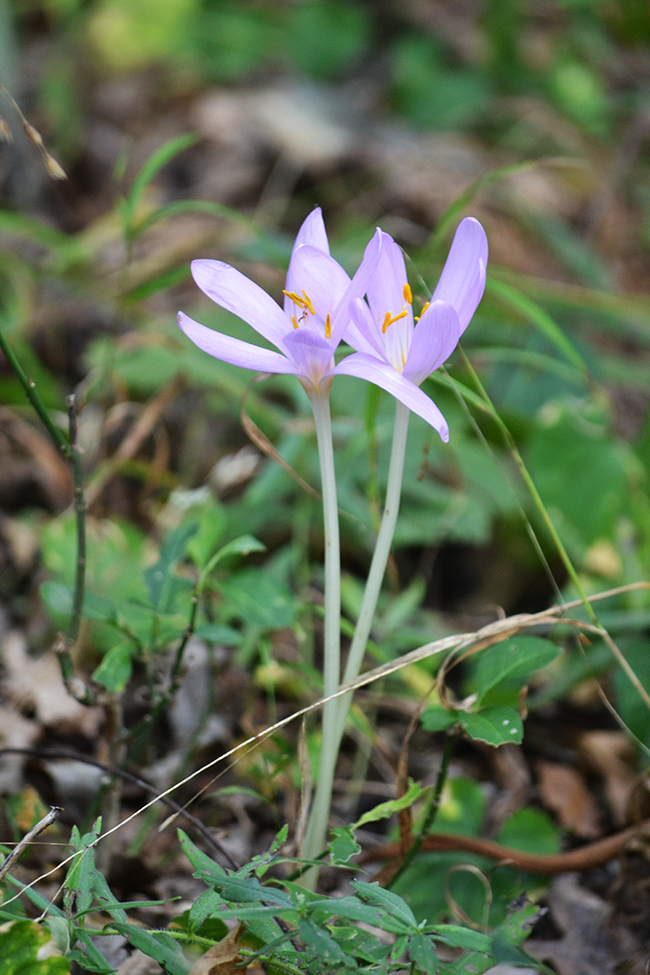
(496, 726)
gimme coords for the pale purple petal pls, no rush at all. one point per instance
(386, 289)
(362, 333)
(462, 281)
(435, 337)
(311, 354)
(381, 374)
(357, 287)
(233, 291)
(234, 351)
(320, 276)
(312, 233)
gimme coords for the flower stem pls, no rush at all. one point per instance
(315, 833)
(379, 559)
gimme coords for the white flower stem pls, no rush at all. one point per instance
(379, 560)
(315, 833)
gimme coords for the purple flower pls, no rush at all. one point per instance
(394, 350)
(306, 331)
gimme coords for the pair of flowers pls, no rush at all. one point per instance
(323, 306)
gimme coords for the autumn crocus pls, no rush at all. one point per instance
(306, 332)
(395, 349)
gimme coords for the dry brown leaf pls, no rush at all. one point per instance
(221, 959)
(610, 755)
(563, 790)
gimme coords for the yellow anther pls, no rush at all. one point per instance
(408, 295)
(297, 300)
(308, 303)
(388, 320)
(328, 326)
(418, 317)
(295, 323)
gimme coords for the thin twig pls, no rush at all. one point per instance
(29, 387)
(64, 753)
(46, 821)
(76, 461)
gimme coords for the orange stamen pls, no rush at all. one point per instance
(408, 295)
(423, 311)
(297, 300)
(328, 326)
(295, 323)
(308, 303)
(389, 321)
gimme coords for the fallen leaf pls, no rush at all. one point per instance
(222, 958)
(563, 789)
(610, 755)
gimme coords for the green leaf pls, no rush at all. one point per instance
(392, 903)
(159, 578)
(155, 944)
(343, 846)
(22, 946)
(207, 905)
(80, 876)
(323, 944)
(258, 598)
(512, 661)
(350, 908)
(243, 545)
(437, 718)
(219, 633)
(532, 831)
(496, 726)
(386, 809)
(247, 890)
(204, 866)
(422, 952)
(459, 937)
(114, 672)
